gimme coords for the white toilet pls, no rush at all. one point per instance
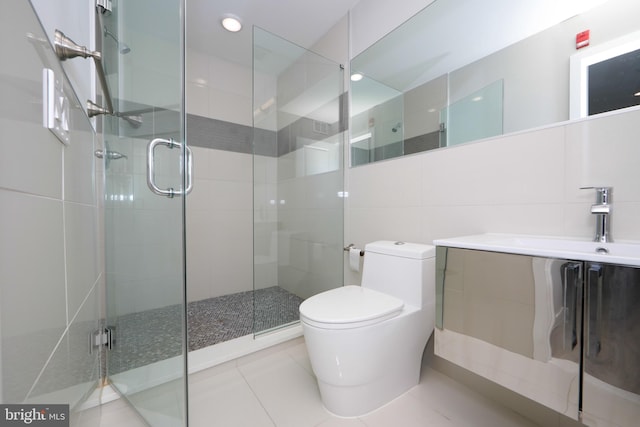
(366, 342)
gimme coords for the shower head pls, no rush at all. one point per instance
(396, 127)
(123, 48)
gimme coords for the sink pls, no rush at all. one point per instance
(554, 247)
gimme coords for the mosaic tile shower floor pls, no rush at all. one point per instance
(141, 337)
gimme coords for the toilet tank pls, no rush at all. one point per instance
(403, 270)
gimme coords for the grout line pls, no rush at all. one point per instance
(256, 396)
(65, 333)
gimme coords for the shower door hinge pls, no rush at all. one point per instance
(103, 6)
(102, 338)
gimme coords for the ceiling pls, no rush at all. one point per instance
(302, 22)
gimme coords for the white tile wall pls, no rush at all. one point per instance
(143, 230)
(220, 215)
(524, 183)
(141, 75)
(220, 224)
(50, 264)
(232, 190)
(33, 260)
(219, 89)
(422, 107)
(28, 153)
(81, 246)
(70, 16)
(220, 207)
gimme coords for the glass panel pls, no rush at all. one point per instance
(440, 42)
(144, 60)
(475, 116)
(376, 122)
(298, 167)
(49, 268)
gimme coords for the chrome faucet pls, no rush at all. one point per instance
(602, 209)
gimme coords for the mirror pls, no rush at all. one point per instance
(461, 70)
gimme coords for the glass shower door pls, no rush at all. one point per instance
(145, 152)
(299, 133)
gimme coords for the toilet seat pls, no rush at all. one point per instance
(349, 307)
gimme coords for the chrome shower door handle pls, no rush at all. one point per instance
(151, 175)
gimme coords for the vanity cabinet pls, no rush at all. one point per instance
(562, 332)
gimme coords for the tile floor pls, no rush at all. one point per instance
(276, 388)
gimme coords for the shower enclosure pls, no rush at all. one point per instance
(296, 149)
(66, 202)
(298, 178)
(146, 181)
(58, 182)
(264, 222)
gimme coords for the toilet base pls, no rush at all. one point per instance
(361, 369)
(358, 400)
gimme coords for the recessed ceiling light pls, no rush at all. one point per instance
(356, 77)
(231, 23)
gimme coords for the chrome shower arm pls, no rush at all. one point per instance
(66, 48)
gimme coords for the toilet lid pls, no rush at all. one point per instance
(349, 305)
